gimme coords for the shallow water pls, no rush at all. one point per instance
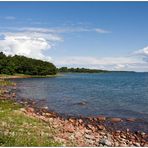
(109, 94)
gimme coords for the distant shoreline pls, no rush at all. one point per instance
(15, 76)
(3, 76)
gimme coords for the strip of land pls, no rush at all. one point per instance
(24, 124)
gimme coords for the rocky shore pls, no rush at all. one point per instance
(81, 131)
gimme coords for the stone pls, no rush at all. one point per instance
(131, 119)
(137, 144)
(69, 128)
(105, 142)
(101, 127)
(123, 136)
(23, 110)
(116, 144)
(90, 141)
(123, 145)
(45, 107)
(101, 118)
(30, 110)
(143, 134)
(13, 95)
(81, 103)
(127, 130)
(102, 133)
(91, 127)
(146, 145)
(87, 131)
(72, 120)
(78, 134)
(47, 114)
(89, 136)
(116, 119)
(80, 121)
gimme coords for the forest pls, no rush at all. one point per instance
(80, 70)
(22, 65)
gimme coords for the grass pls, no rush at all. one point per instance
(19, 129)
(6, 83)
(26, 76)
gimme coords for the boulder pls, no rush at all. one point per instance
(116, 119)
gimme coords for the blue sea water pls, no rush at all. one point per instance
(111, 94)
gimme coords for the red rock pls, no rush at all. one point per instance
(71, 120)
(101, 127)
(80, 121)
(30, 110)
(131, 119)
(101, 118)
(69, 128)
(47, 114)
(116, 119)
(91, 127)
(78, 134)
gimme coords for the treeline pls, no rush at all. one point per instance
(80, 70)
(22, 65)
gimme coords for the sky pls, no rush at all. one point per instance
(96, 35)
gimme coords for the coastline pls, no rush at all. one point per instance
(17, 76)
(80, 131)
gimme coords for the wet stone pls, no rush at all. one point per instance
(116, 119)
(101, 118)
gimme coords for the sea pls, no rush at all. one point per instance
(114, 94)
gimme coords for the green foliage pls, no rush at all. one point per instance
(23, 65)
(80, 70)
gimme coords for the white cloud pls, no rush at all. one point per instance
(101, 30)
(95, 61)
(109, 63)
(10, 18)
(142, 52)
(30, 44)
(59, 29)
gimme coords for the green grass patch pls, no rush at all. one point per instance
(18, 129)
(6, 83)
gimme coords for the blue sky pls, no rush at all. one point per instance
(102, 35)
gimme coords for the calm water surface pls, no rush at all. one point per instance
(110, 94)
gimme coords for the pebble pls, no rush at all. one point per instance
(137, 144)
(101, 127)
(89, 136)
(123, 145)
(90, 141)
(105, 142)
(30, 109)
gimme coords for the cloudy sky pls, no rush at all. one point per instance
(101, 35)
